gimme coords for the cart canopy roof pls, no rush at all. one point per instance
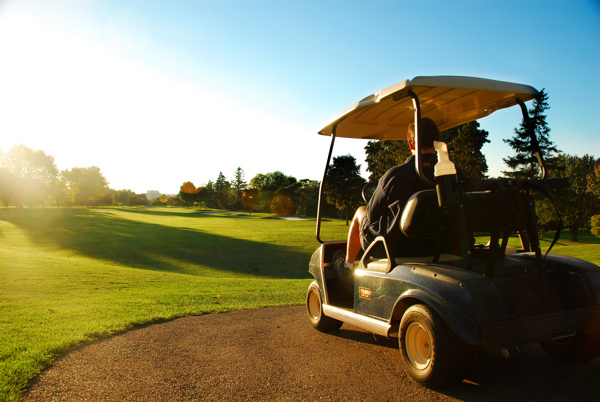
(448, 100)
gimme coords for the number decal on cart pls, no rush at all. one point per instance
(364, 293)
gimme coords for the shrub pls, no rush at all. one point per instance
(596, 225)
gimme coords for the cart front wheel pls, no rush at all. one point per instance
(314, 308)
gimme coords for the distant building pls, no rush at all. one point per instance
(152, 194)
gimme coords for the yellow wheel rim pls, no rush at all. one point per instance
(418, 345)
(314, 306)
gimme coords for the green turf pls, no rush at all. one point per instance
(70, 276)
(586, 248)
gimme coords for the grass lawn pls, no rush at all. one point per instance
(69, 276)
(586, 248)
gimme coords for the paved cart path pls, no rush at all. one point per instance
(274, 354)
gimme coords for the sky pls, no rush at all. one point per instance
(157, 93)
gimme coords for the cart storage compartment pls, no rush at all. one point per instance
(542, 290)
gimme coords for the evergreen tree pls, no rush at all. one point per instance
(210, 187)
(222, 188)
(221, 182)
(238, 185)
(524, 163)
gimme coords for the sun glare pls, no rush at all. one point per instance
(86, 101)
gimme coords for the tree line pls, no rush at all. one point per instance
(273, 192)
(30, 177)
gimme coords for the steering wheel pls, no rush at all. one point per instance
(368, 190)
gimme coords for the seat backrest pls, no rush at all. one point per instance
(498, 213)
(422, 217)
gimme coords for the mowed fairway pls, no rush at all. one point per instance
(69, 276)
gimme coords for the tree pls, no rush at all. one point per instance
(595, 225)
(174, 200)
(138, 199)
(594, 188)
(273, 181)
(222, 188)
(307, 197)
(281, 204)
(576, 204)
(464, 146)
(85, 185)
(188, 193)
(129, 197)
(8, 185)
(32, 174)
(344, 184)
(238, 185)
(210, 186)
(58, 190)
(106, 198)
(250, 199)
(383, 155)
(594, 181)
(524, 163)
(221, 182)
(275, 191)
(122, 197)
(209, 195)
(222, 197)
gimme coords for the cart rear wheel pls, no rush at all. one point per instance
(432, 354)
(314, 308)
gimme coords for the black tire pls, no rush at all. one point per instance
(314, 309)
(432, 354)
(578, 348)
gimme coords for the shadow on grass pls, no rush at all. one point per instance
(195, 213)
(150, 246)
(199, 213)
(584, 237)
(189, 213)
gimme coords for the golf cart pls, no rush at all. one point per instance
(463, 298)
